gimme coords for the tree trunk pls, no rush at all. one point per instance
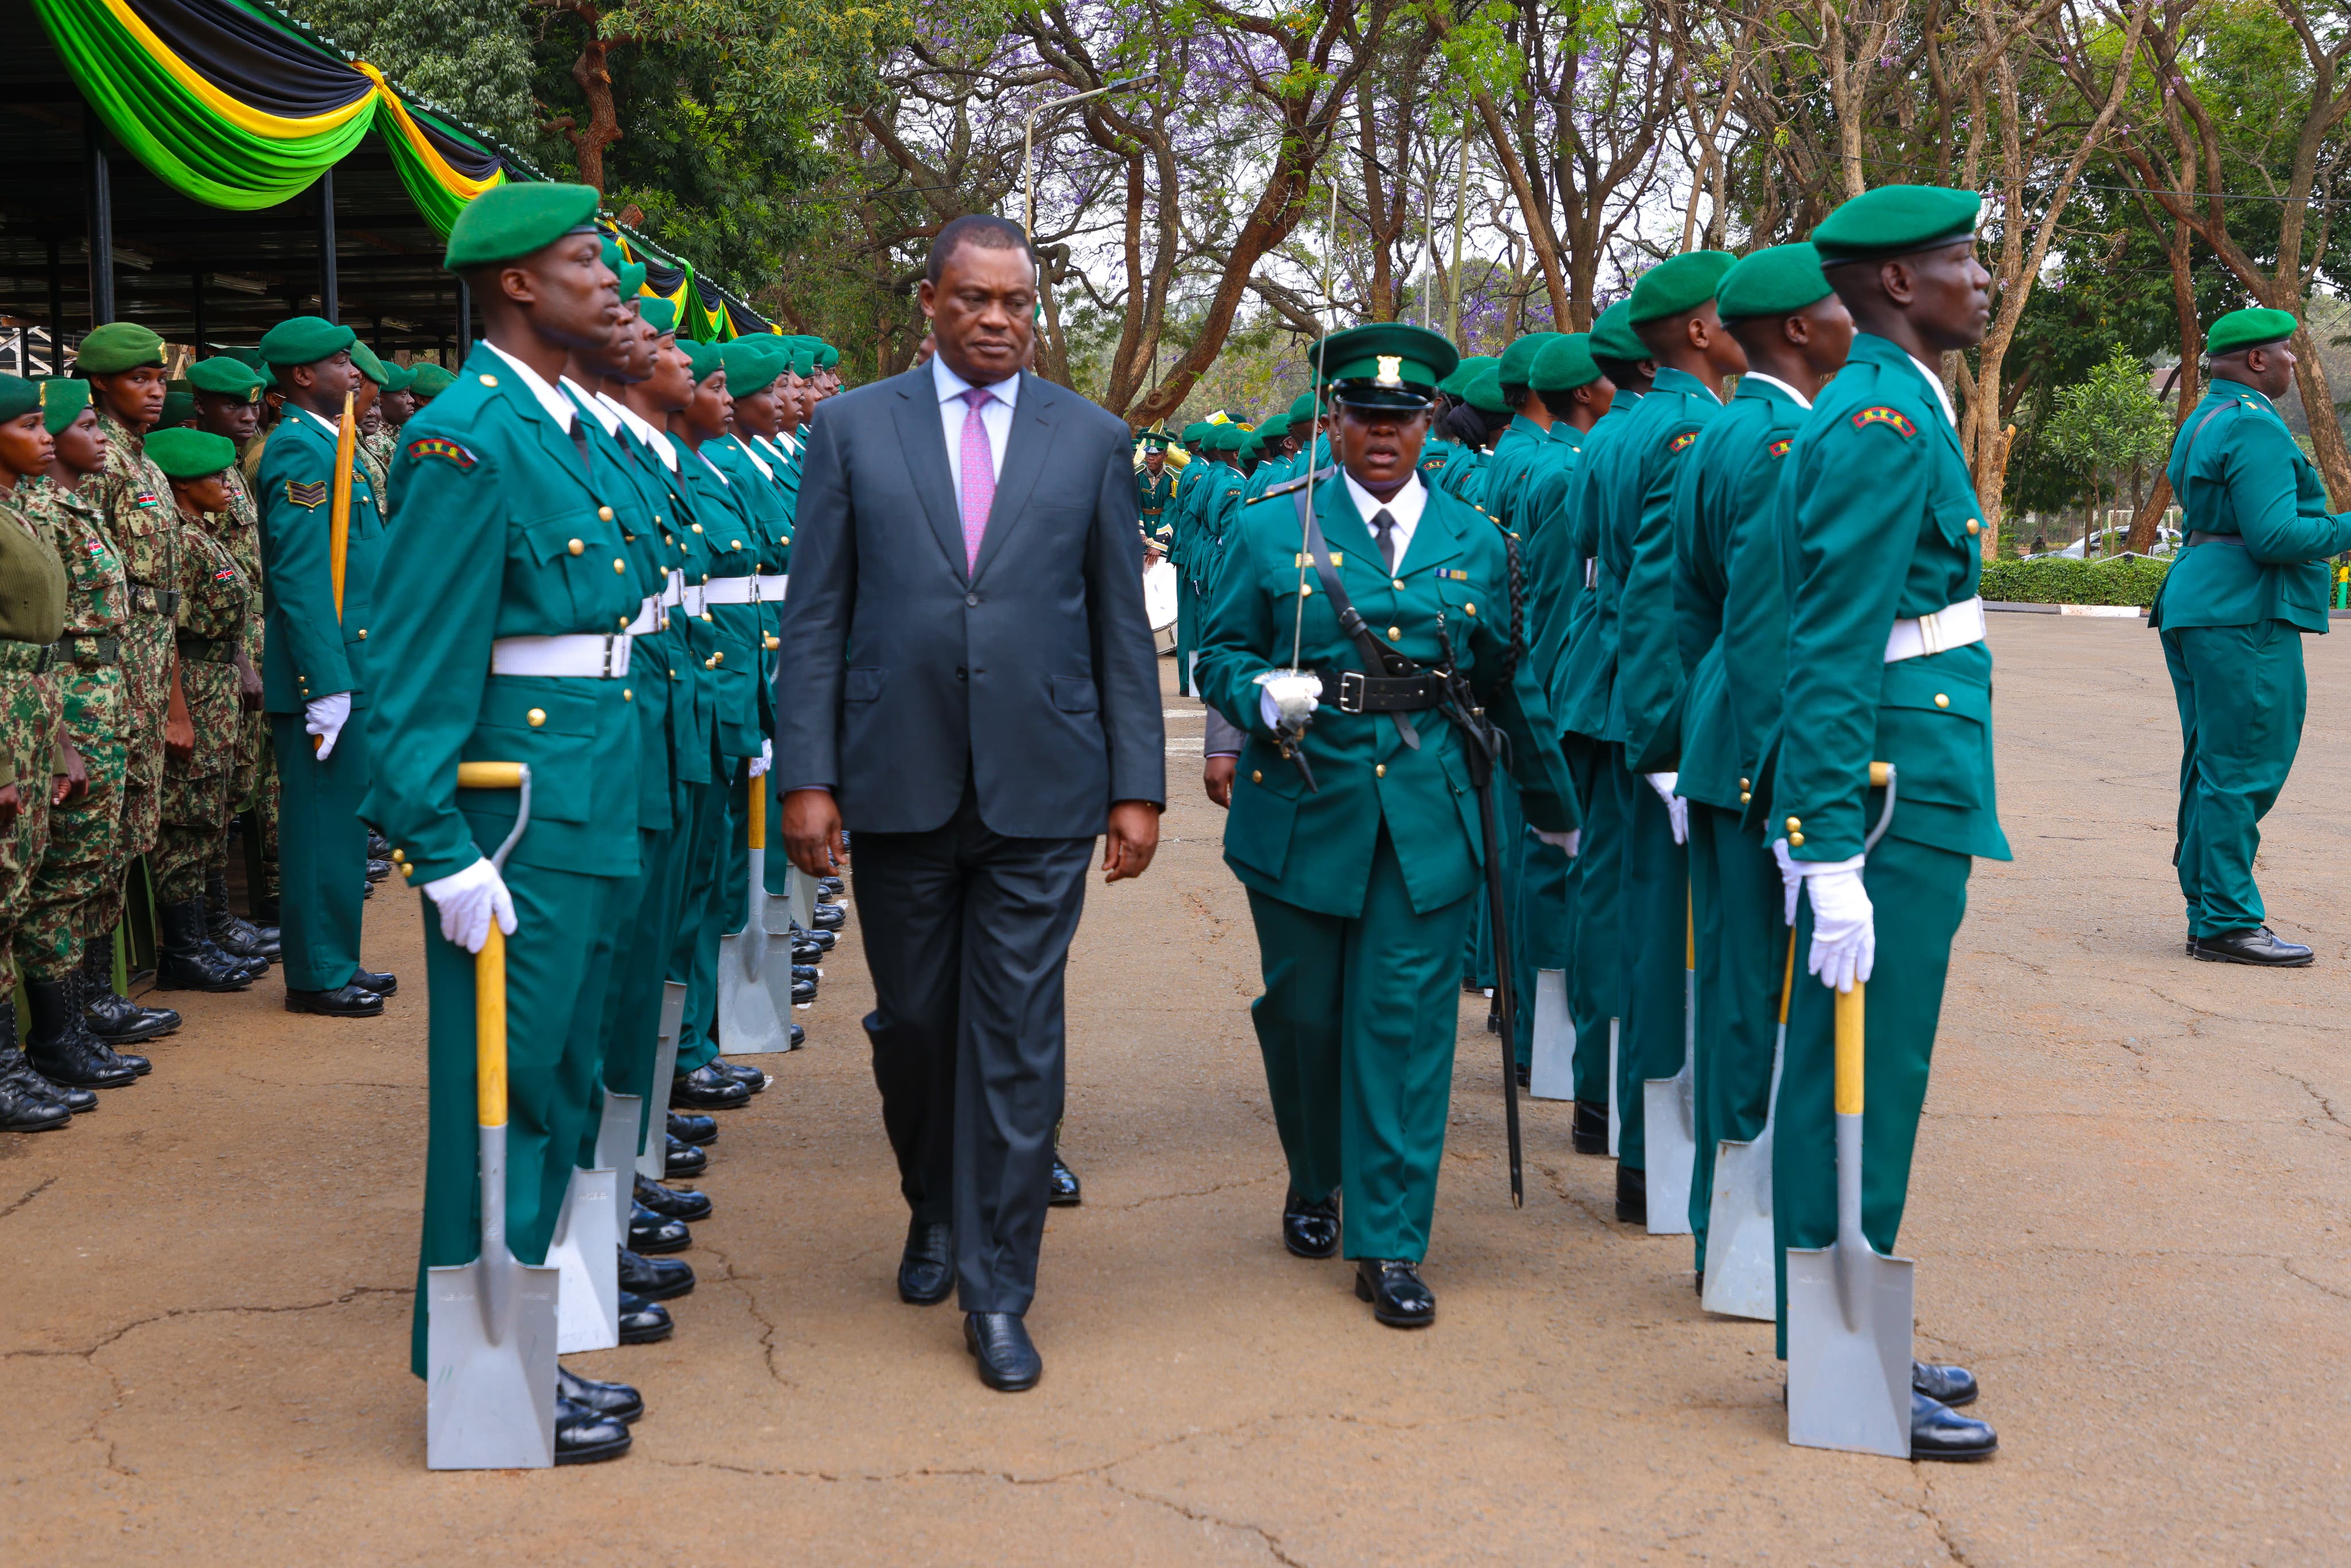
(592, 72)
(1539, 229)
(2177, 251)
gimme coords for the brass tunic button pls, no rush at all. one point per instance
(406, 871)
(1255, 777)
(1796, 840)
(536, 717)
(576, 546)
(697, 528)
(489, 381)
(620, 565)
(1742, 797)
(1395, 633)
(1396, 584)
(1975, 525)
(628, 695)
(604, 514)
(1941, 700)
(624, 623)
(1381, 771)
(362, 634)
(733, 544)
(1469, 610)
(718, 658)
(1746, 784)
(398, 856)
(1793, 824)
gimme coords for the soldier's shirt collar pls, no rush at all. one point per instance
(1670, 380)
(1404, 507)
(1799, 399)
(334, 432)
(657, 440)
(558, 407)
(587, 400)
(1941, 396)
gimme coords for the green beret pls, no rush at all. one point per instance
(753, 361)
(1564, 364)
(2248, 330)
(1223, 438)
(708, 359)
(179, 407)
(660, 312)
(398, 378)
(304, 340)
(225, 376)
(370, 366)
(1613, 336)
(1678, 283)
(516, 219)
(268, 378)
(610, 254)
(1194, 432)
(827, 356)
(1484, 391)
(429, 381)
(251, 357)
(1517, 363)
(1387, 364)
(803, 363)
(184, 454)
(1895, 220)
(1252, 443)
(118, 346)
(62, 401)
(632, 279)
(1771, 282)
(1453, 385)
(1273, 427)
(18, 397)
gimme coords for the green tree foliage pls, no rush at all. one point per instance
(2109, 425)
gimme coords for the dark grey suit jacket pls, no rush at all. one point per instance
(1037, 674)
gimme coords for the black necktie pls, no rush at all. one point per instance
(1381, 526)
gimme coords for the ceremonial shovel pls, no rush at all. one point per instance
(755, 985)
(1670, 1116)
(490, 1325)
(1738, 1239)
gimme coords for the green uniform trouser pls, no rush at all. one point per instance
(556, 961)
(642, 915)
(29, 705)
(1357, 1026)
(322, 853)
(1187, 631)
(693, 960)
(2241, 691)
(197, 803)
(84, 835)
(1919, 896)
(1653, 913)
(1742, 950)
(1538, 927)
(1509, 831)
(1595, 981)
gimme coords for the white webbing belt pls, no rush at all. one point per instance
(1953, 626)
(581, 655)
(768, 587)
(728, 591)
(674, 591)
(690, 597)
(649, 617)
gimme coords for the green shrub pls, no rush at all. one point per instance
(2058, 582)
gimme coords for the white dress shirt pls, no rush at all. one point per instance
(1801, 401)
(995, 417)
(1405, 509)
(559, 407)
(594, 405)
(657, 439)
(1941, 395)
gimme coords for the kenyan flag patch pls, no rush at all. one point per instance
(312, 495)
(443, 448)
(1884, 416)
(1780, 447)
(1681, 442)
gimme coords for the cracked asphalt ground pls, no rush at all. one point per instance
(2129, 1218)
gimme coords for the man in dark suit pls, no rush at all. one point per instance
(974, 691)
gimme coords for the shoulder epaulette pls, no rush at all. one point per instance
(1881, 415)
(1287, 485)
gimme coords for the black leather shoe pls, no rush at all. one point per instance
(1310, 1228)
(656, 1233)
(822, 941)
(806, 952)
(378, 869)
(1591, 1134)
(751, 1078)
(1008, 1362)
(926, 1269)
(800, 1037)
(112, 1016)
(2259, 946)
(832, 884)
(1393, 1286)
(688, 1206)
(58, 1043)
(1632, 1195)
(803, 992)
(185, 958)
(382, 985)
(655, 1279)
(700, 1130)
(1939, 1432)
(379, 847)
(1062, 1189)
(343, 1002)
(617, 1400)
(1949, 1386)
(709, 1086)
(643, 1322)
(680, 1158)
(584, 1437)
(828, 917)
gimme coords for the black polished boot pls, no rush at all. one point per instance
(1943, 1384)
(27, 1104)
(655, 1234)
(617, 1400)
(670, 1203)
(699, 1131)
(655, 1279)
(237, 937)
(680, 1159)
(379, 847)
(185, 958)
(345, 1001)
(643, 1322)
(1062, 1189)
(1309, 1229)
(803, 992)
(831, 885)
(808, 972)
(1393, 1287)
(2258, 946)
(1590, 1130)
(583, 1436)
(800, 1037)
(1939, 1432)
(708, 1088)
(822, 941)
(806, 954)
(112, 1016)
(828, 918)
(383, 982)
(749, 1077)
(1632, 1195)
(58, 1043)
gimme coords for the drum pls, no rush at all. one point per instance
(1159, 603)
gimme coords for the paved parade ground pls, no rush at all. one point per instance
(2129, 1216)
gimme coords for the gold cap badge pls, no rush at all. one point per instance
(1391, 370)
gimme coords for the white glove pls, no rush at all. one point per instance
(1570, 840)
(1284, 697)
(765, 760)
(1676, 807)
(1845, 934)
(325, 718)
(466, 899)
(1791, 878)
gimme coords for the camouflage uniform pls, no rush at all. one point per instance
(29, 708)
(374, 452)
(253, 783)
(214, 603)
(141, 522)
(68, 904)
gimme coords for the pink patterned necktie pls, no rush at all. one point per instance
(979, 476)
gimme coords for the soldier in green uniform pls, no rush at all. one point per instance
(32, 617)
(1885, 663)
(68, 897)
(316, 664)
(2250, 581)
(502, 638)
(1362, 888)
(1154, 491)
(216, 607)
(1794, 331)
(427, 382)
(374, 447)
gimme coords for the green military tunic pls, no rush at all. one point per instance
(1361, 892)
(1879, 523)
(308, 653)
(32, 617)
(1154, 495)
(2232, 611)
(502, 531)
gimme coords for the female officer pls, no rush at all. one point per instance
(1362, 882)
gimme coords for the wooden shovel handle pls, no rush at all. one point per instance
(1849, 1017)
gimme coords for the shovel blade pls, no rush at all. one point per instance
(1849, 1381)
(1616, 1112)
(1739, 1230)
(755, 981)
(652, 1163)
(1671, 1132)
(1551, 1071)
(586, 1255)
(489, 1402)
(616, 1136)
